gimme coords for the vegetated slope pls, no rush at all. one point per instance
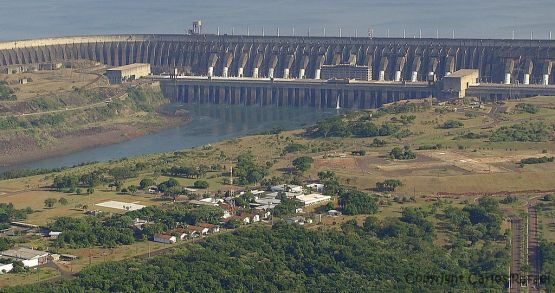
(294, 259)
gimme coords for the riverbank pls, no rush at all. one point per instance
(21, 149)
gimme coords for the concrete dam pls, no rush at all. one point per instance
(289, 70)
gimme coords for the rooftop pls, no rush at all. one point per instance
(128, 67)
(24, 253)
(164, 236)
(463, 73)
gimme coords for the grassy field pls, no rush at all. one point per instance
(32, 276)
(49, 82)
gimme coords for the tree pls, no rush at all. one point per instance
(166, 185)
(146, 182)
(132, 189)
(78, 191)
(326, 175)
(200, 184)
(90, 190)
(232, 224)
(63, 201)
(174, 192)
(50, 202)
(303, 164)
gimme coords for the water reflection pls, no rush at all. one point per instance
(210, 123)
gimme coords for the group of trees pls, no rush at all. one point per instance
(50, 202)
(338, 127)
(533, 132)
(451, 124)
(354, 202)
(111, 231)
(247, 171)
(393, 255)
(189, 172)
(404, 153)
(92, 231)
(476, 221)
(9, 213)
(540, 160)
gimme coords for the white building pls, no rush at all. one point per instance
(5, 268)
(314, 198)
(318, 187)
(287, 187)
(296, 220)
(29, 257)
(164, 238)
(334, 213)
(54, 234)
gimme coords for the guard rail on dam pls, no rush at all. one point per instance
(399, 66)
(499, 61)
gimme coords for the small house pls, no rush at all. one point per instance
(198, 229)
(334, 213)
(164, 238)
(244, 218)
(29, 257)
(211, 227)
(318, 187)
(153, 189)
(54, 234)
(296, 220)
(287, 188)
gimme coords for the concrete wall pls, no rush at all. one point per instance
(394, 59)
(291, 93)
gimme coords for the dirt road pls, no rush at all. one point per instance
(533, 247)
(516, 226)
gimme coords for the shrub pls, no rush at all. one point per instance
(452, 124)
(201, 184)
(388, 185)
(402, 154)
(528, 108)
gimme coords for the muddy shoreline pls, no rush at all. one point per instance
(73, 143)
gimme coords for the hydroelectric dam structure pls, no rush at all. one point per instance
(288, 70)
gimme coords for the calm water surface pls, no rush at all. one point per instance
(210, 123)
(469, 18)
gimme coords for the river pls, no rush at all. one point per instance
(469, 18)
(466, 19)
(210, 123)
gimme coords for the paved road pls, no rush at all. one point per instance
(533, 247)
(516, 226)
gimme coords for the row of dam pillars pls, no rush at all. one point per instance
(525, 70)
(410, 66)
(291, 96)
(286, 66)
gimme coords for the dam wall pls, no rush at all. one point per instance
(291, 92)
(389, 59)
